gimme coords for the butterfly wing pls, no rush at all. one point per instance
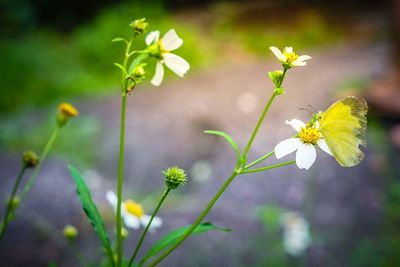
(343, 126)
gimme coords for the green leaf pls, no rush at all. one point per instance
(139, 59)
(174, 235)
(91, 210)
(119, 39)
(121, 68)
(227, 138)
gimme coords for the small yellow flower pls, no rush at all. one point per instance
(68, 110)
(289, 58)
(65, 112)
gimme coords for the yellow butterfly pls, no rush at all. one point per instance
(343, 126)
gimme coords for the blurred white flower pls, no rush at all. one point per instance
(133, 213)
(304, 143)
(296, 233)
(161, 50)
(289, 58)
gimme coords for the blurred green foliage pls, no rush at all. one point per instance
(43, 66)
(382, 247)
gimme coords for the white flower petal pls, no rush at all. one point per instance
(131, 221)
(298, 63)
(158, 75)
(278, 53)
(112, 199)
(296, 124)
(171, 40)
(322, 144)
(152, 37)
(176, 64)
(303, 58)
(305, 156)
(288, 49)
(287, 146)
(156, 223)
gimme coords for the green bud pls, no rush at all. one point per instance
(139, 72)
(70, 232)
(139, 26)
(14, 203)
(275, 76)
(30, 159)
(174, 177)
(124, 233)
(279, 91)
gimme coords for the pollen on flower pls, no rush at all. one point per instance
(290, 55)
(68, 110)
(134, 208)
(309, 135)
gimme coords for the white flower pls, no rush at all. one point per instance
(164, 46)
(133, 213)
(296, 233)
(289, 58)
(304, 143)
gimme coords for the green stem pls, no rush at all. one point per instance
(197, 221)
(120, 180)
(42, 158)
(269, 167)
(260, 120)
(259, 160)
(148, 226)
(78, 255)
(10, 202)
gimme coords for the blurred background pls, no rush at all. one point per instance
(57, 51)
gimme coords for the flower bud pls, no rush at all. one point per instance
(139, 26)
(14, 203)
(139, 72)
(70, 232)
(30, 159)
(124, 233)
(174, 177)
(279, 91)
(275, 76)
(65, 112)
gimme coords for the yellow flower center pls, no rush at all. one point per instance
(134, 208)
(161, 46)
(68, 110)
(309, 135)
(290, 57)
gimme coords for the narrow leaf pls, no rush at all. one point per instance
(174, 235)
(139, 59)
(227, 138)
(121, 68)
(91, 210)
(119, 39)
